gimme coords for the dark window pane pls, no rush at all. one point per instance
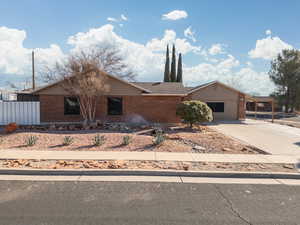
(114, 106)
(72, 106)
(216, 106)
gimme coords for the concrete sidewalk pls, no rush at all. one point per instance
(122, 155)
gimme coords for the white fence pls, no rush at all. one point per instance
(22, 113)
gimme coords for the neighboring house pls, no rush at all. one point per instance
(7, 95)
(151, 101)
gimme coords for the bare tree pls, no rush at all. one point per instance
(84, 75)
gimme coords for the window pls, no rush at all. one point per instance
(216, 106)
(114, 106)
(71, 106)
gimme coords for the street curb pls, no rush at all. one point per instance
(169, 173)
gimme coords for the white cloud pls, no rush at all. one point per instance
(111, 19)
(190, 34)
(268, 48)
(182, 45)
(16, 59)
(227, 71)
(146, 63)
(216, 49)
(268, 32)
(175, 15)
(147, 60)
(249, 64)
(123, 17)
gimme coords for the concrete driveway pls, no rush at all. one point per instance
(272, 138)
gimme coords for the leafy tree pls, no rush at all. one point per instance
(173, 65)
(285, 73)
(194, 112)
(179, 69)
(167, 67)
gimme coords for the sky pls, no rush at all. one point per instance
(231, 41)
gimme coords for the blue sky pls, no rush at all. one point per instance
(232, 41)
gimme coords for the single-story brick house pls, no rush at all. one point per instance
(151, 101)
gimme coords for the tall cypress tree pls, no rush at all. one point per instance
(173, 66)
(179, 69)
(167, 67)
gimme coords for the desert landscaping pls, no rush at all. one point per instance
(200, 139)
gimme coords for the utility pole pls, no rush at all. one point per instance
(33, 72)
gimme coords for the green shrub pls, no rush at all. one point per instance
(127, 140)
(31, 140)
(1, 140)
(159, 138)
(68, 140)
(98, 140)
(194, 112)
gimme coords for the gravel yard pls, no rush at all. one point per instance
(156, 165)
(177, 139)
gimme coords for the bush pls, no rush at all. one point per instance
(127, 140)
(98, 140)
(11, 127)
(1, 140)
(31, 140)
(159, 138)
(194, 112)
(68, 140)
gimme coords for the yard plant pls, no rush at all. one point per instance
(99, 140)
(127, 140)
(159, 138)
(31, 140)
(68, 140)
(194, 112)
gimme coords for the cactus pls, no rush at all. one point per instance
(127, 140)
(98, 140)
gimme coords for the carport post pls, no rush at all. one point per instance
(255, 106)
(272, 111)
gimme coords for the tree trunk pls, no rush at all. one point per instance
(287, 101)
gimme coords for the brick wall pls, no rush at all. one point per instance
(151, 108)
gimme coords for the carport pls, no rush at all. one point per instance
(260, 100)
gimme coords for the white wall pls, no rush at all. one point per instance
(22, 113)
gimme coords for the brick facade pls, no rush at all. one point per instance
(152, 108)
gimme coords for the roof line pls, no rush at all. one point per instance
(109, 75)
(162, 94)
(211, 83)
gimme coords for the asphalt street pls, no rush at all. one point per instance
(138, 203)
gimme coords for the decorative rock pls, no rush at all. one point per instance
(226, 149)
(198, 147)
(52, 127)
(287, 166)
(186, 167)
(72, 127)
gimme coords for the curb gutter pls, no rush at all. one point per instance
(125, 172)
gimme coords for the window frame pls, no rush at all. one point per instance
(65, 103)
(108, 111)
(216, 102)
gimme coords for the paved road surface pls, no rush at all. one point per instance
(110, 203)
(272, 138)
